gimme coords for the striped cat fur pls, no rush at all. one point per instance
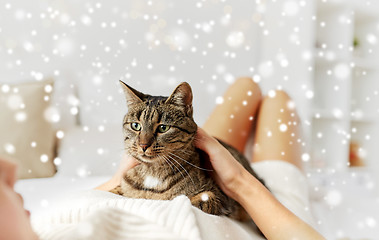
(160, 133)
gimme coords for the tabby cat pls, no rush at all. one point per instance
(160, 132)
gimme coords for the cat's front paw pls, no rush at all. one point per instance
(207, 202)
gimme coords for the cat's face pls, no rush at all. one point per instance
(158, 128)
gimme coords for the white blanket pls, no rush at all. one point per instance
(101, 215)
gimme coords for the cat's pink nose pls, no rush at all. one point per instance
(144, 147)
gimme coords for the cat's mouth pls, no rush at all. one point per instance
(146, 158)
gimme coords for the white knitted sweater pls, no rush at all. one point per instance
(101, 215)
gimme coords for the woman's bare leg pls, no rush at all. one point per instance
(232, 120)
(278, 132)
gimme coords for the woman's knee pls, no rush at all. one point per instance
(246, 84)
(278, 99)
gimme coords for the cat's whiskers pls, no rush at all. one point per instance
(167, 161)
(180, 171)
(193, 165)
(182, 168)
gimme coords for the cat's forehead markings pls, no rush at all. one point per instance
(133, 115)
(150, 115)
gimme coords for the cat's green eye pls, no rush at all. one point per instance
(135, 126)
(163, 128)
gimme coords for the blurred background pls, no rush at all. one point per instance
(61, 106)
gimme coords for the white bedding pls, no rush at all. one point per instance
(58, 204)
(345, 205)
(41, 193)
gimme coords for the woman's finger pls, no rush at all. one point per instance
(207, 143)
(127, 162)
(8, 172)
(219, 156)
(131, 162)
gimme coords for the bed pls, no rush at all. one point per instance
(343, 211)
(345, 205)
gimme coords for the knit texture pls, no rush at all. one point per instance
(99, 215)
(102, 215)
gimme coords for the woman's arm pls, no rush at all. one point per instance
(273, 219)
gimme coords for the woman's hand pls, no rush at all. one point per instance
(229, 173)
(127, 162)
(14, 219)
(273, 219)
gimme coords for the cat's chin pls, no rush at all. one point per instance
(146, 159)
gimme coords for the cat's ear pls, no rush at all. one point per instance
(182, 96)
(132, 96)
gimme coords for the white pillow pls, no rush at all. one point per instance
(26, 134)
(86, 151)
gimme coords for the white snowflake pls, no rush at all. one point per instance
(57, 161)
(371, 38)
(9, 148)
(219, 100)
(21, 116)
(52, 114)
(266, 69)
(86, 20)
(305, 157)
(28, 46)
(204, 197)
(309, 94)
(290, 8)
(82, 172)
(235, 39)
(15, 102)
(60, 134)
(283, 127)
(271, 93)
(341, 71)
(44, 158)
